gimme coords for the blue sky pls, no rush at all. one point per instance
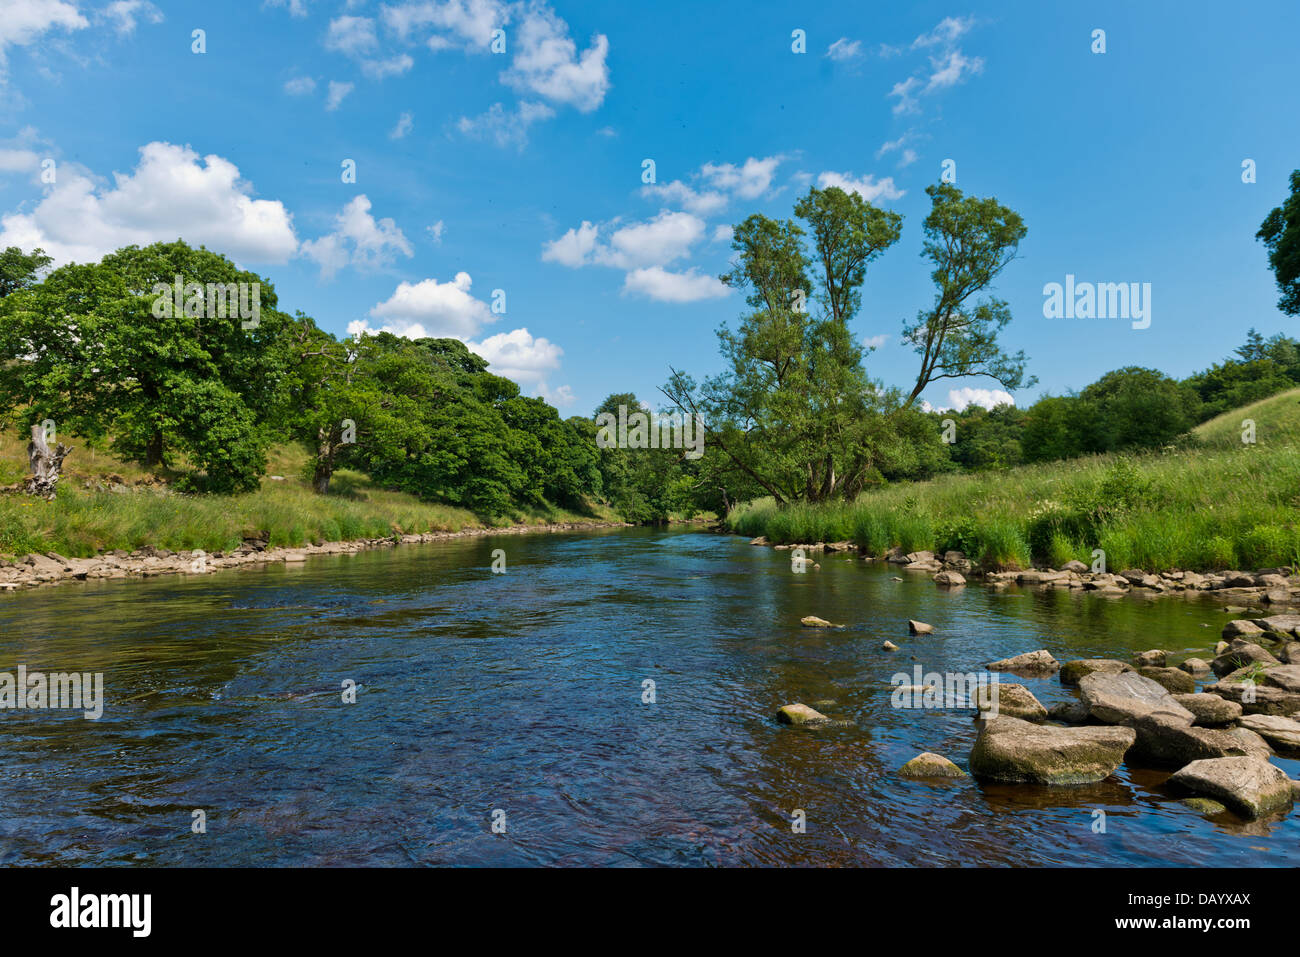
(521, 171)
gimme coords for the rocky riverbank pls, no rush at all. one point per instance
(1265, 586)
(34, 571)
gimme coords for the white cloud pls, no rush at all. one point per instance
(300, 86)
(682, 195)
(297, 8)
(393, 66)
(875, 342)
(358, 240)
(959, 399)
(24, 21)
(723, 234)
(470, 21)
(337, 91)
(905, 90)
(844, 49)
(172, 193)
(435, 232)
(352, 36)
(950, 68)
(948, 32)
(655, 242)
(908, 158)
(430, 308)
(748, 181)
(505, 129)
(404, 125)
(547, 61)
(660, 284)
(519, 356)
(868, 187)
(125, 12)
(574, 248)
(18, 161)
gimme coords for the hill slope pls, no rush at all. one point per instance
(1277, 422)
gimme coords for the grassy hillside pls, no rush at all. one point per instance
(1277, 422)
(104, 503)
(1219, 504)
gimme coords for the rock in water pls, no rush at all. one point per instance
(1249, 786)
(1149, 659)
(798, 714)
(1195, 666)
(1072, 671)
(1068, 712)
(1207, 806)
(1167, 741)
(1117, 699)
(889, 646)
(812, 621)
(1173, 680)
(1018, 752)
(1282, 733)
(1209, 710)
(1014, 701)
(928, 765)
(949, 579)
(1031, 663)
(919, 627)
(1239, 654)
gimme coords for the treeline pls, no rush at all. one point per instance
(185, 376)
(1130, 409)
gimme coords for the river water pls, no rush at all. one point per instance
(517, 698)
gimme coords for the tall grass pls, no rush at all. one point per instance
(1206, 507)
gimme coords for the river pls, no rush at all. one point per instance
(517, 698)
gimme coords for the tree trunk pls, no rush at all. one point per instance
(45, 464)
(324, 471)
(153, 455)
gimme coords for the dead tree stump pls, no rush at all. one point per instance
(45, 464)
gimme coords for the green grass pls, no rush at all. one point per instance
(83, 521)
(1216, 504)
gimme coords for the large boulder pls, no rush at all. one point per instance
(1116, 699)
(1019, 752)
(1280, 624)
(1282, 733)
(930, 765)
(1195, 666)
(1165, 740)
(1250, 786)
(1031, 663)
(1015, 701)
(1254, 696)
(1073, 711)
(949, 579)
(1209, 710)
(1241, 627)
(1173, 680)
(1072, 671)
(1239, 654)
(919, 627)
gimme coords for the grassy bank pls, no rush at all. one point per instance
(1217, 504)
(142, 510)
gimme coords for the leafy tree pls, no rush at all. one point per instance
(970, 241)
(1280, 233)
(18, 269)
(90, 348)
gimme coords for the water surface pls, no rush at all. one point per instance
(522, 693)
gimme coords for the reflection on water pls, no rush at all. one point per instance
(522, 692)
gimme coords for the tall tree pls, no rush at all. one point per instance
(970, 241)
(18, 269)
(1280, 232)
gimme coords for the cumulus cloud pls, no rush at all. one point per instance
(125, 13)
(430, 308)
(748, 181)
(875, 342)
(960, 399)
(868, 187)
(358, 239)
(519, 356)
(25, 21)
(547, 62)
(655, 242)
(662, 285)
(505, 128)
(948, 32)
(352, 36)
(172, 193)
(948, 68)
(703, 203)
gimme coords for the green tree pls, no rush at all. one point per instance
(970, 241)
(18, 269)
(97, 348)
(1280, 233)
